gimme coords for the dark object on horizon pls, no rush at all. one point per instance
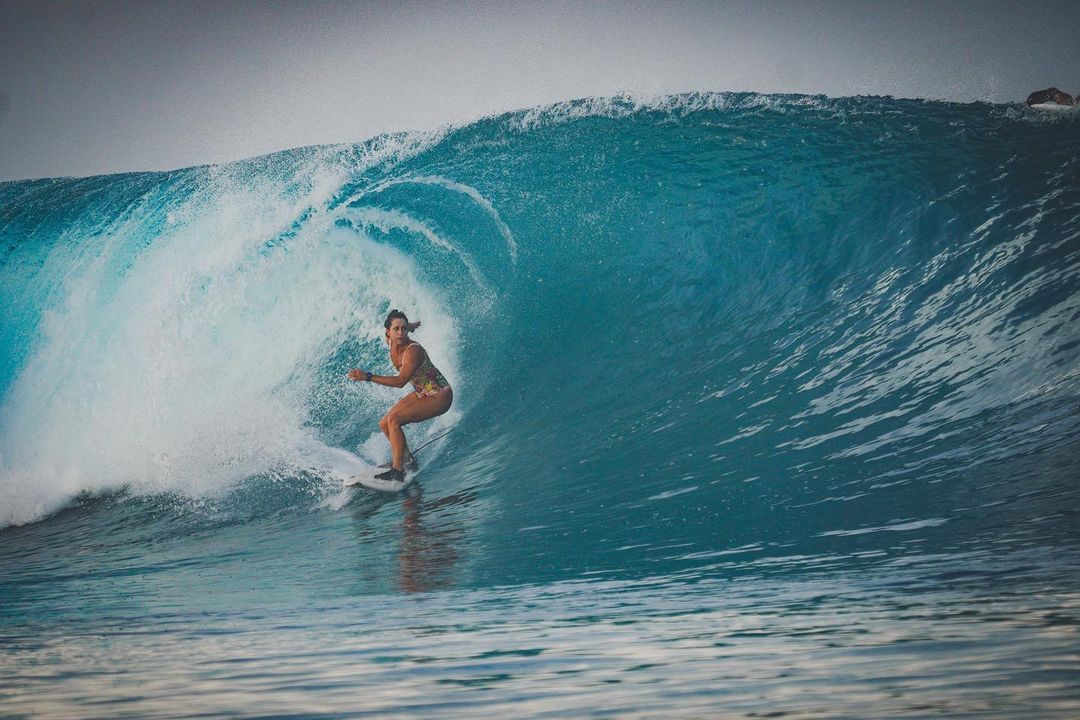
(1049, 95)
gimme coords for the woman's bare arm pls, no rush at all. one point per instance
(410, 361)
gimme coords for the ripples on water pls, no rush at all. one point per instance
(224, 619)
(995, 642)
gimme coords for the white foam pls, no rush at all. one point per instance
(192, 365)
(1055, 107)
(386, 220)
(467, 190)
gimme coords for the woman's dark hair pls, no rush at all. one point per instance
(395, 313)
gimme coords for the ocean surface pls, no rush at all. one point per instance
(765, 406)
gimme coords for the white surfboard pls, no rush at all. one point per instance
(368, 480)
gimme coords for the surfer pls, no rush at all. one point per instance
(432, 397)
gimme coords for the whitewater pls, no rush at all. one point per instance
(764, 405)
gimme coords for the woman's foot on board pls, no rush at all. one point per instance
(411, 465)
(392, 474)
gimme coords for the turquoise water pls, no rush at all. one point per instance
(764, 405)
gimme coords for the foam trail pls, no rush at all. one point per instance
(386, 220)
(470, 192)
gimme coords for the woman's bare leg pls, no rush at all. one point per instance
(385, 427)
(411, 409)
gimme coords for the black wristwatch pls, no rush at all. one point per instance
(368, 373)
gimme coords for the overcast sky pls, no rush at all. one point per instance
(99, 87)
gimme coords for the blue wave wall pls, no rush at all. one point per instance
(735, 324)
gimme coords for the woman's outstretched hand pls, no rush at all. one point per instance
(357, 374)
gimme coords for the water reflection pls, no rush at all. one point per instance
(432, 536)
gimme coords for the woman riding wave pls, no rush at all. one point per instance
(432, 398)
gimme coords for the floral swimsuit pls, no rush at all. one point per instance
(427, 380)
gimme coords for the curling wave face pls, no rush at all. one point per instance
(705, 332)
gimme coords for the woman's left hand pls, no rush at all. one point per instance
(357, 374)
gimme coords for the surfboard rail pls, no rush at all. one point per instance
(369, 481)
